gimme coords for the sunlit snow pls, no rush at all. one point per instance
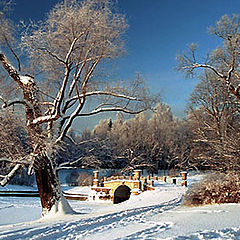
(151, 215)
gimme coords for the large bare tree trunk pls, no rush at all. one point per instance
(47, 182)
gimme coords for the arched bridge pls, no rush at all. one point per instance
(119, 188)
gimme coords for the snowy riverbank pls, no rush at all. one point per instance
(152, 215)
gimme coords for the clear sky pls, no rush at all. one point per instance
(158, 30)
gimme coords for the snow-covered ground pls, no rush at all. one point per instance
(152, 215)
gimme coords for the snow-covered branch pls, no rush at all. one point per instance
(43, 119)
(110, 109)
(21, 102)
(70, 120)
(108, 93)
(10, 175)
(13, 73)
(47, 103)
(70, 50)
(69, 164)
(101, 93)
(78, 73)
(13, 52)
(52, 54)
(19, 160)
(226, 77)
(198, 65)
(81, 101)
(4, 101)
(55, 113)
(60, 96)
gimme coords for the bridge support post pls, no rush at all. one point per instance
(137, 182)
(137, 174)
(145, 184)
(152, 183)
(184, 178)
(95, 180)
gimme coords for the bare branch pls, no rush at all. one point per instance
(13, 73)
(21, 161)
(78, 72)
(69, 165)
(70, 120)
(70, 50)
(3, 100)
(10, 175)
(14, 53)
(55, 113)
(104, 93)
(113, 109)
(52, 54)
(198, 65)
(21, 102)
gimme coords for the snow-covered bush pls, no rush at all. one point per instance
(85, 179)
(214, 188)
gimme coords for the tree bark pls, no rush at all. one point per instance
(47, 182)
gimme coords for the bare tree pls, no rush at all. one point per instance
(14, 145)
(214, 117)
(215, 101)
(65, 51)
(223, 62)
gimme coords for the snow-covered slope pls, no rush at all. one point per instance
(151, 215)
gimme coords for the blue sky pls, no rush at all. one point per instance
(158, 30)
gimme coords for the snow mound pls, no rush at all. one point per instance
(59, 210)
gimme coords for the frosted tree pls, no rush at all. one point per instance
(215, 100)
(57, 80)
(214, 119)
(223, 61)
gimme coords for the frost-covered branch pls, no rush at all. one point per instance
(4, 101)
(60, 96)
(69, 164)
(198, 65)
(111, 109)
(70, 51)
(70, 120)
(21, 102)
(78, 72)
(226, 78)
(13, 73)
(10, 175)
(189, 65)
(102, 93)
(55, 113)
(13, 52)
(52, 54)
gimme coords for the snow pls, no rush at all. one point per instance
(59, 210)
(151, 215)
(26, 79)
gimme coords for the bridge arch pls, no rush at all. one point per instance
(119, 188)
(121, 194)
